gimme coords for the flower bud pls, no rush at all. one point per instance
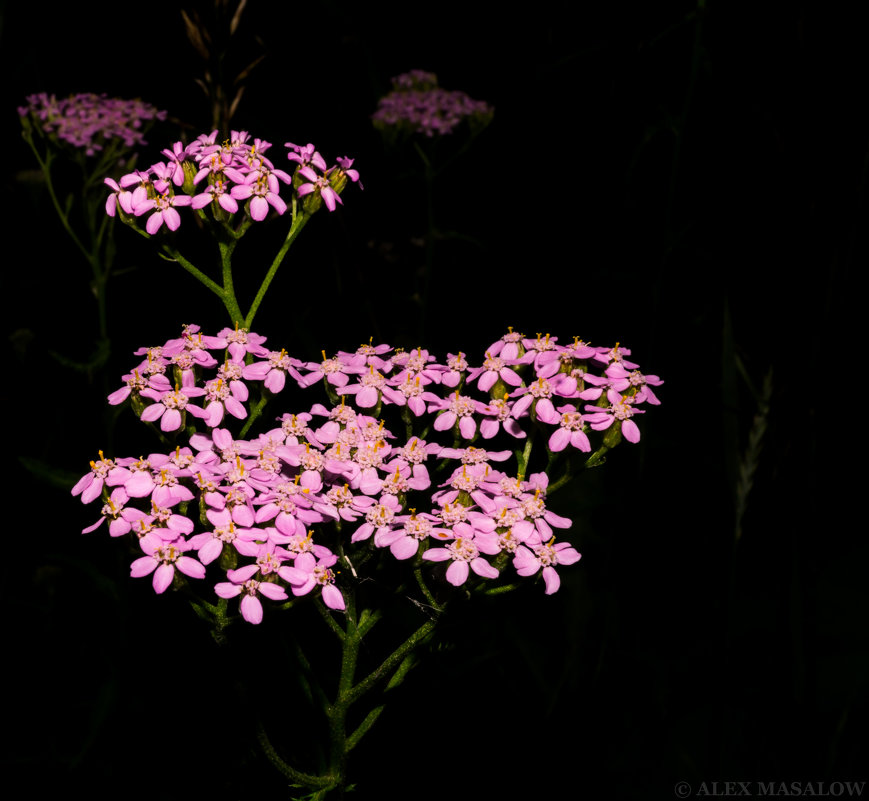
(312, 203)
(220, 213)
(499, 390)
(190, 171)
(338, 180)
(137, 404)
(613, 435)
(228, 559)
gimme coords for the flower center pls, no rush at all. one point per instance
(463, 549)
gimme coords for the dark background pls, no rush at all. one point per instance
(684, 178)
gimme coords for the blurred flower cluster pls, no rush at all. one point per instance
(417, 104)
(90, 121)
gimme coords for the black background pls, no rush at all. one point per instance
(684, 178)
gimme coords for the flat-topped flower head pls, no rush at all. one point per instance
(284, 510)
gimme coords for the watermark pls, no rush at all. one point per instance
(770, 789)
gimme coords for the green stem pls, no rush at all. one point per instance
(228, 296)
(392, 661)
(362, 728)
(597, 458)
(45, 166)
(255, 412)
(523, 457)
(228, 299)
(299, 221)
(425, 590)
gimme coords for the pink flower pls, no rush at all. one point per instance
(508, 347)
(379, 519)
(222, 395)
(616, 354)
(494, 368)
(304, 155)
(241, 582)
(457, 366)
(404, 542)
(262, 187)
(162, 559)
(170, 406)
(621, 410)
(209, 544)
(165, 204)
(318, 183)
(341, 502)
(273, 373)
(623, 379)
(371, 387)
(119, 197)
(528, 561)
(570, 431)
(457, 408)
(103, 471)
(113, 511)
(216, 192)
(465, 555)
(240, 342)
(413, 455)
(308, 572)
(345, 163)
(497, 413)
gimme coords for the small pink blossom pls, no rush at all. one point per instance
(528, 561)
(162, 560)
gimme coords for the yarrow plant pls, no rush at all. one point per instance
(402, 458)
(434, 476)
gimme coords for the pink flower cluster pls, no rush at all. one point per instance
(89, 121)
(282, 514)
(418, 104)
(220, 175)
